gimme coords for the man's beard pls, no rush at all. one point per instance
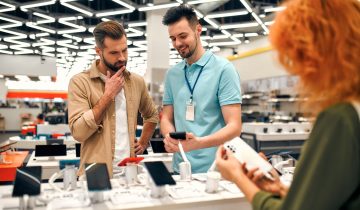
(190, 53)
(116, 66)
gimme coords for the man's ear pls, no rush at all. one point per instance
(97, 50)
(198, 29)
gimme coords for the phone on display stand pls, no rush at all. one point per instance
(159, 173)
(97, 177)
(178, 135)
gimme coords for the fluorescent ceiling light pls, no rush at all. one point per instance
(274, 9)
(266, 30)
(201, 1)
(159, 6)
(212, 23)
(235, 40)
(10, 7)
(114, 12)
(226, 33)
(269, 23)
(199, 14)
(105, 19)
(223, 43)
(228, 14)
(240, 25)
(37, 4)
(48, 19)
(6, 52)
(10, 20)
(137, 24)
(78, 39)
(124, 4)
(246, 5)
(33, 25)
(70, 31)
(64, 3)
(256, 17)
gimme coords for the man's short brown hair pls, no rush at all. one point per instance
(111, 29)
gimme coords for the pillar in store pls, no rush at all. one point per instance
(157, 52)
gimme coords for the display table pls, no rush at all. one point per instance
(49, 167)
(189, 195)
(15, 159)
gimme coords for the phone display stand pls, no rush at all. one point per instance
(185, 171)
(157, 191)
(97, 197)
(26, 202)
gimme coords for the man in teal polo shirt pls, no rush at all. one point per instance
(202, 95)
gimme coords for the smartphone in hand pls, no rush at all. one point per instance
(178, 135)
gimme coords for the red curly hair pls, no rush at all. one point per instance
(319, 40)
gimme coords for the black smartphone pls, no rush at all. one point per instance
(50, 150)
(178, 135)
(27, 181)
(97, 177)
(77, 149)
(159, 173)
(157, 145)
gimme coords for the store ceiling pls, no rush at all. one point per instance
(62, 28)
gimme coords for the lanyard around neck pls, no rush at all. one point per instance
(188, 83)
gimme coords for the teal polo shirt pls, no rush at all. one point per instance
(218, 85)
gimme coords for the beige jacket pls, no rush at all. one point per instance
(98, 141)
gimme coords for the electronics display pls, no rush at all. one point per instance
(77, 149)
(27, 181)
(50, 150)
(97, 177)
(157, 145)
(178, 135)
(130, 160)
(159, 173)
(245, 154)
(53, 141)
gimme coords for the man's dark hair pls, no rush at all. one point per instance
(111, 29)
(174, 14)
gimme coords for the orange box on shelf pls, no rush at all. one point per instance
(16, 159)
(57, 135)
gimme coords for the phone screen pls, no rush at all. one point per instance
(77, 149)
(97, 177)
(159, 173)
(178, 135)
(50, 150)
(157, 145)
(27, 181)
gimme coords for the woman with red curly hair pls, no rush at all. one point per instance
(319, 41)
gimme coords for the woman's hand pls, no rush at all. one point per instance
(264, 183)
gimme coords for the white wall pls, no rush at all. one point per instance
(263, 65)
(31, 65)
(3, 90)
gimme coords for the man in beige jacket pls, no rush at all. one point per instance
(104, 102)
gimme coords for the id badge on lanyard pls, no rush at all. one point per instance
(190, 110)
